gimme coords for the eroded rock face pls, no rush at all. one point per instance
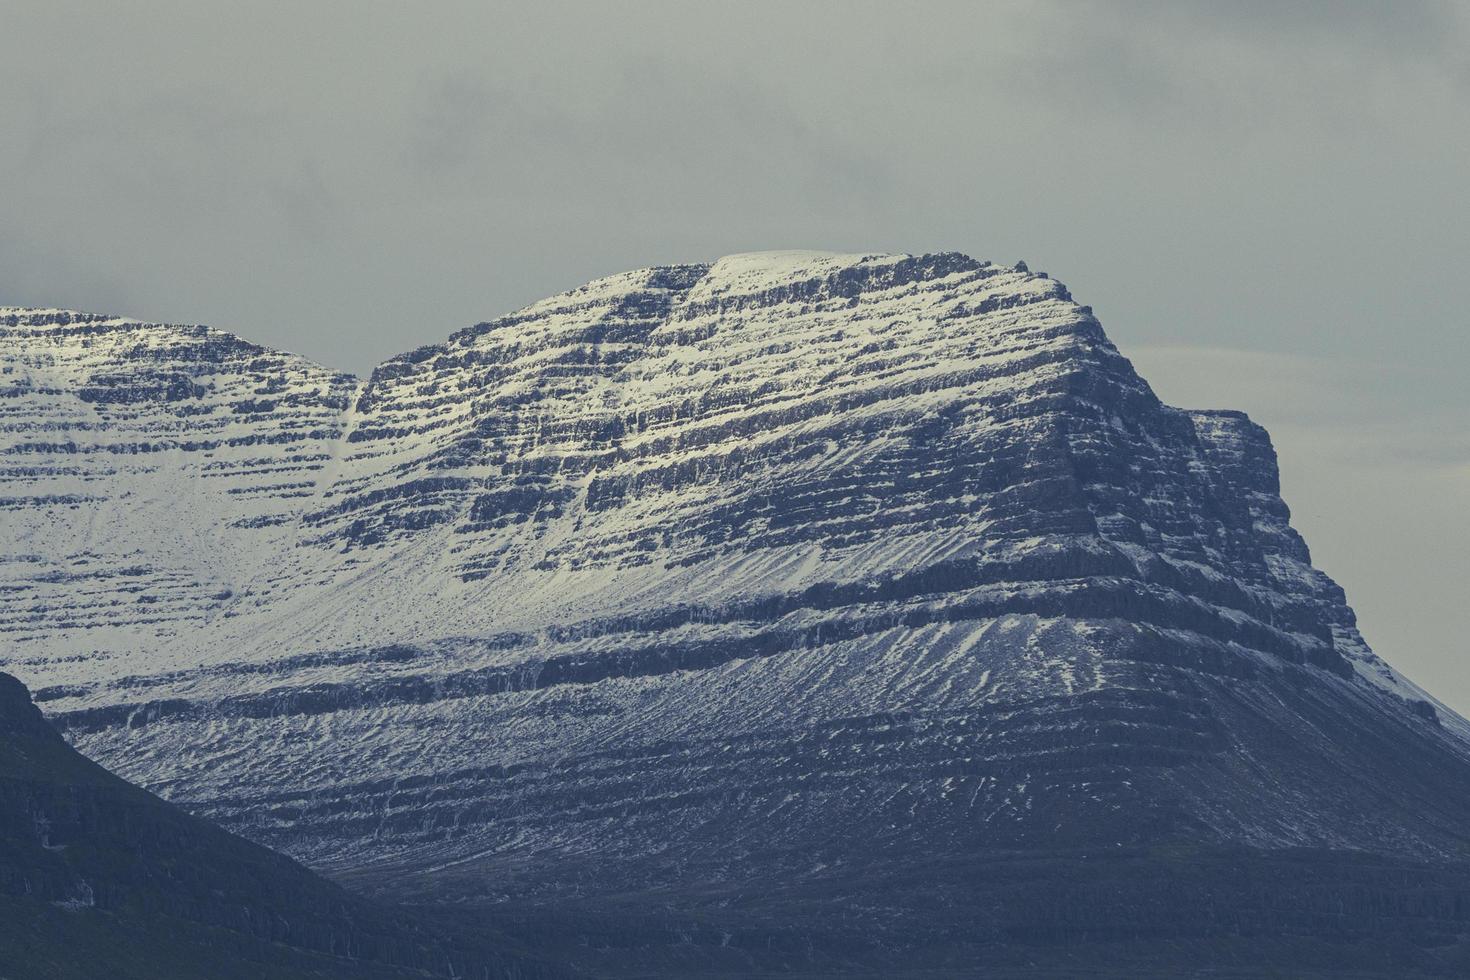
(745, 569)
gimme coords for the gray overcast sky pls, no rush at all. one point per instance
(1266, 203)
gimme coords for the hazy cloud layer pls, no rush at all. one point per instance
(1281, 181)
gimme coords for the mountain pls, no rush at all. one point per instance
(799, 611)
(99, 878)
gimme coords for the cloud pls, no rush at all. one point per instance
(652, 127)
(1394, 26)
(1375, 412)
(1243, 66)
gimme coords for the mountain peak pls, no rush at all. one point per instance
(743, 562)
(41, 318)
(18, 716)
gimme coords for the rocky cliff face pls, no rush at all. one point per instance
(694, 573)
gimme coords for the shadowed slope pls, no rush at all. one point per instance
(99, 878)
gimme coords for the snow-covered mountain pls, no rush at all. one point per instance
(705, 570)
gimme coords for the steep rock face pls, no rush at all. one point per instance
(696, 573)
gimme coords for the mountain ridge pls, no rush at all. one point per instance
(701, 574)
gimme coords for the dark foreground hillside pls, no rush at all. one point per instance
(99, 879)
(1116, 881)
(1184, 911)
